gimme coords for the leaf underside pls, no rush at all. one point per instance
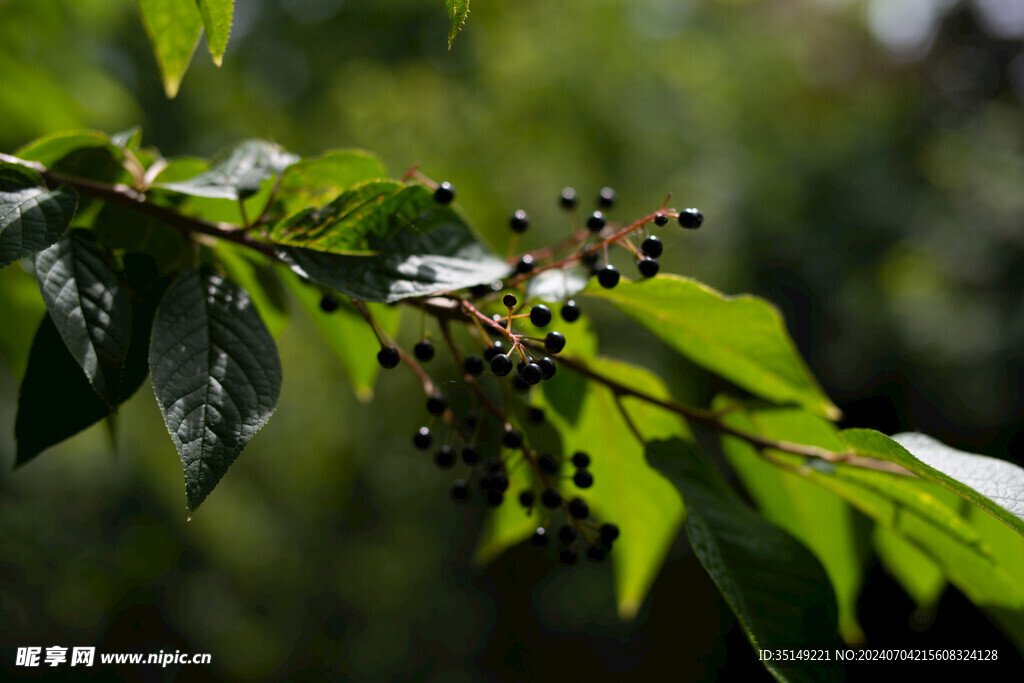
(238, 173)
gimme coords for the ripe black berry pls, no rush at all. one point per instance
(512, 438)
(526, 499)
(479, 290)
(519, 222)
(531, 373)
(470, 420)
(436, 404)
(422, 438)
(597, 552)
(580, 459)
(509, 300)
(608, 276)
(499, 482)
(648, 266)
(539, 538)
(567, 556)
(444, 193)
(444, 457)
(551, 498)
(606, 198)
(547, 463)
(493, 350)
(471, 455)
(388, 357)
(520, 365)
(568, 198)
(473, 365)
(525, 264)
(570, 311)
(495, 498)
(534, 414)
(566, 534)
(691, 218)
(652, 247)
(554, 342)
(424, 350)
(460, 491)
(547, 367)
(583, 479)
(329, 303)
(578, 509)
(609, 532)
(596, 221)
(660, 219)
(540, 315)
(590, 261)
(501, 365)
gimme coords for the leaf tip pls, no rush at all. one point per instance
(628, 608)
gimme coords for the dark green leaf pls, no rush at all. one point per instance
(31, 216)
(217, 21)
(458, 10)
(776, 587)
(740, 338)
(238, 173)
(119, 227)
(253, 273)
(89, 308)
(216, 374)
(173, 28)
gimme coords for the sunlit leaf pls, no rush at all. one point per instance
(217, 16)
(238, 173)
(458, 10)
(313, 182)
(173, 28)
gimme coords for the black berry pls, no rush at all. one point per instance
(499, 482)
(460, 491)
(551, 498)
(444, 193)
(471, 455)
(501, 365)
(596, 221)
(519, 222)
(580, 459)
(540, 315)
(422, 438)
(547, 367)
(583, 479)
(526, 499)
(554, 342)
(531, 373)
(493, 350)
(597, 552)
(512, 438)
(436, 404)
(534, 414)
(660, 219)
(509, 300)
(578, 509)
(570, 311)
(480, 290)
(648, 266)
(567, 556)
(609, 532)
(520, 365)
(547, 463)
(424, 350)
(525, 264)
(691, 218)
(608, 276)
(568, 198)
(388, 357)
(566, 534)
(444, 457)
(606, 198)
(590, 260)
(473, 365)
(470, 420)
(652, 247)
(495, 498)
(329, 303)
(539, 538)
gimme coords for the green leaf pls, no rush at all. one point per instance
(236, 174)
(253, 273)
(458, 10)
(173, 28)
(919, 576)
(217, 21)
(820, 520)
(120, 227)
(742, 338)
(130, 138)
(314, 182)
(50, 149)
(349, 337)
(89, 308)
(378, 208)
(995, 486)
(413, 247)
(20, 309)
(777, 589)
(555, 285)
(216, 374)
(31, 216)
(647, 508)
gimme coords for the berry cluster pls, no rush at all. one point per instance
(493, 316)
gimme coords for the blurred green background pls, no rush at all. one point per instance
(860, 163)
